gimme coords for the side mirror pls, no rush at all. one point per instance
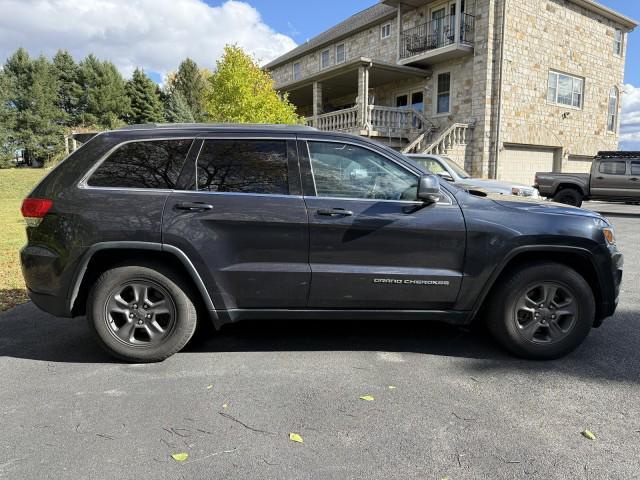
(445, 176)
(429, 188)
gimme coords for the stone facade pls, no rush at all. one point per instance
(500, 87)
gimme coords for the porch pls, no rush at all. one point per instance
(355, 97)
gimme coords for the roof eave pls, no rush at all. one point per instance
(608, 13)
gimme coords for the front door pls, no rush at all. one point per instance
(610, 178)
(372, 245)
(634, 179)
(242, 221)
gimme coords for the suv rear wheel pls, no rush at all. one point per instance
(541, 311)
(141, 313)
(569, 196)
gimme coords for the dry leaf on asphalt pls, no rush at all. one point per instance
(209, 387)
(392, 387)
(367, 398)
(588, 434)
(294, 437)
(180, 457)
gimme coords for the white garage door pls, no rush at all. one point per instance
(577, 164)
(520, 163)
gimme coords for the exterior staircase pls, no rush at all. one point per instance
(455, 136)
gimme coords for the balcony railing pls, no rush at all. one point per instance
(435, 34)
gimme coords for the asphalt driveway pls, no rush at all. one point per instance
(461, 408)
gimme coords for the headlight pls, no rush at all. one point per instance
(609, 235)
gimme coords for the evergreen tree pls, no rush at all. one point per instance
(177, 110)
(146, 106)
(240, 91)
(69, 89)
(190, 82)
(105, 96)
(34, 99)
(7, 123)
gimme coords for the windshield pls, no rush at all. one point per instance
(456, 168)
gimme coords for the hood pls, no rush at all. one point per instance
(541, 206)
(496, 185)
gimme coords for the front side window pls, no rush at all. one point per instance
(613, 167)
(565, 89)
(617, 42)
(612, 117)
(296, 71)
(443, 101)
(385, 30)
(243, 166)
(340, 53)
(324, 59)
(148, 164)
(348, 171)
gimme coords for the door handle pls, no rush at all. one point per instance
(634, 179)
(334, 212)
(193, 206)
(599, 178)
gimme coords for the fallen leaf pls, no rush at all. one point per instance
(224, 405)
(444, 478)
(209, 387)
(294, 437)
(588, 434)
(367, 398)
(180, 457)
(392, 387)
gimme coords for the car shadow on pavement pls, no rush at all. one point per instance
(609, 352)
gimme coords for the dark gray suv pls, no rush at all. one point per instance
(149, 230)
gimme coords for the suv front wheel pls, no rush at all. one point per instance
(141, 313)
(541, 311)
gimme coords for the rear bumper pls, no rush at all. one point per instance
(53, 304)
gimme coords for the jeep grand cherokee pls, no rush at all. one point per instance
(149, 230)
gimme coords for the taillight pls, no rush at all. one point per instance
(34, 209)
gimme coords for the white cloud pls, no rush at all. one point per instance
(153, 34)
(630, 119)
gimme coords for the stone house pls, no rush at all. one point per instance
(505, 87)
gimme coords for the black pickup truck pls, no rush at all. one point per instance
(615, 176)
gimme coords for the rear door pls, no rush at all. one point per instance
(242, 221)
(610, 179)
(634, 179)
(372, 245)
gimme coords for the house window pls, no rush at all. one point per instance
(340, 53)
(612, 117)
(385, 30)
(324, 59)
(617, 42)
(296, 70)
(443, 100)
(565, 89)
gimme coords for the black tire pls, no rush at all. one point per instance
(569, 196)
(508, 311)
(145, 333)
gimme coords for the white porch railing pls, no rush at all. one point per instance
(340, 120)
(455, 135)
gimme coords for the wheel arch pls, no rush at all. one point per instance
(579, 259)
(574, 186)
(103, 256)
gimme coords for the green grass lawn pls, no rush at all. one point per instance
(15, 184)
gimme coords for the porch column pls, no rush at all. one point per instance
(74, 144)
(399, 25)
(317, 102)
(363, 96)
(458, 22)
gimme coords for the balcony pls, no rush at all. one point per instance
(436, 40)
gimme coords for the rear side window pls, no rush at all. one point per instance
(613, 167)
(149, 164)
(243, 166)
(635, 168)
